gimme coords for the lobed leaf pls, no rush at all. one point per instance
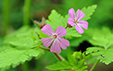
(104, 55)
(72, 60)
(71, 32)
(88, 11)
(13, 36)
(14, 56)
(59, 66)
(56, 20)
(102, 38)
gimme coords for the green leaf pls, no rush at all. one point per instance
(83, 68)
(71, 32)
(87, 57)
(42, 35)
(72, 60)
(93, 60)
(81, 62)
(56, 20)
(13, 36)
(93, 49)
(104, 55)
(88, 11)
(59, 66)
(14, 57)
(28, 39)
(4, 47)
(25, 42)
(102, 38)
(77, 54)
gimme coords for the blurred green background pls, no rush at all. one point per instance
(16, 13)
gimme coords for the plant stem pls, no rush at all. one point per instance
(93, 67)
(5, 16)
(26, 9)
(43, 48)
(59, 57)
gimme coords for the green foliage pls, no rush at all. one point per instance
(92, 60)
(105, 56)
(76, 41)
(103, 42)
(59, 66)
(74, 62)
(24, 44)
(28, 42)
(23, 38)
(102, 38)
(56, 20)
(71, 32)
(13, 36)
(24, 47)
(14, 56)
(42, 35)
(88, 11)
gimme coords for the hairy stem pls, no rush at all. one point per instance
(43, 48)
(93, 67)
(59, 57)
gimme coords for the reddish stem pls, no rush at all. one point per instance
(44, 48)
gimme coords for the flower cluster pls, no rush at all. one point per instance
(55, 37)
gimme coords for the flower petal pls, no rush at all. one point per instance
(55, 47)
(80, 15)
(71, 21)
(72, 13)
(84, 24)
(47, 29)
(63, 43)
(79, 29)
(61, 31)
(47, 41)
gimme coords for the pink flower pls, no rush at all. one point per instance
(76, 20)
(55, 38)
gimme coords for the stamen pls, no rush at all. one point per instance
(75, 21)
(55, 36)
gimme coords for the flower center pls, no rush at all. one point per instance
(75, 21)
(55, 36)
